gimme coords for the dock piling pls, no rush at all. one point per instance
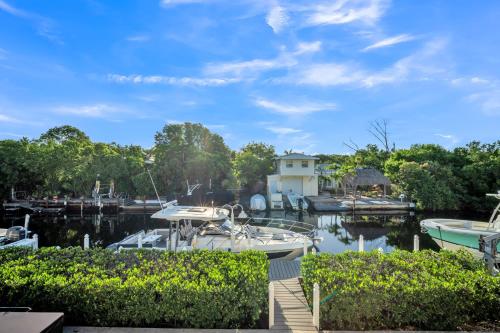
(316, 305)
(361, 243)
(305, 246)
(271, 305)
(35, 242)
(416, 243)
(139, 241)
(86, 242)
(26, 224)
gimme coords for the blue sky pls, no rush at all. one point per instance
(306, 75)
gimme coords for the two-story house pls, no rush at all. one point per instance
(294, 173)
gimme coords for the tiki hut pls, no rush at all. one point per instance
(364, 177)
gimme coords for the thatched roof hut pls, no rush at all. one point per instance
(365, 177)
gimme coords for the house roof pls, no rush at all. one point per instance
(296, 156)
(366, 176)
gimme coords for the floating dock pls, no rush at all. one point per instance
(340, 204)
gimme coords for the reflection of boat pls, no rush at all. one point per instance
(275, 237)
(297, 201)
(257, 202)
(453, 234)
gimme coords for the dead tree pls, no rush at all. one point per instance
(378, 129)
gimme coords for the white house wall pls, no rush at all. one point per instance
(310, 185)
(297, 169)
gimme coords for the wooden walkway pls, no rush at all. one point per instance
(291, 311)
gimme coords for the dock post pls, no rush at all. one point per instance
(26, 224)
(361, 243)
(193, 242)
(271, 305)
(81, 207)
(139, 242)
(35, 242)
(416, 243)
(305, 246)
(313, 250)
(316, 305)
(86, 242)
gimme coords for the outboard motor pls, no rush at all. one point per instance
(16, 233)
(300, 203)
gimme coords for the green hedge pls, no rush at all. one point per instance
(210, 289)
(402, 290)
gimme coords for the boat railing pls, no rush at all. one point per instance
(289, 225)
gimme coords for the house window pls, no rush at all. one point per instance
(305, 164)
(289, 164)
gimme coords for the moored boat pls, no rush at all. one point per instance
(453, 234)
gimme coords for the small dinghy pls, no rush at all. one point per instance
(454, 234)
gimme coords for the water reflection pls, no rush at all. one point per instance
(339, 231)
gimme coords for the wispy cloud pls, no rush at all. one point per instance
(90, 111)
(277, 18)
(390, 41)
(282, 130)
(170, 80)
(169, 3)
(450, 137)
(285, 59)
(422, 64)
(12, 135)
(293, 109)
(138, 38)
(343, 12)
(489, 101)
(45, 27)
(8, 119)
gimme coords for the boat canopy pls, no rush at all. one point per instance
(178, 213)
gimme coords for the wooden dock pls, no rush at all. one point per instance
(291, 311)
(326, 203)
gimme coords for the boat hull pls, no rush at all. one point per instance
(449, 235)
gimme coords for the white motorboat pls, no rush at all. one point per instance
(454, 234)
(297, 201)
(288, 240)
(18, 236)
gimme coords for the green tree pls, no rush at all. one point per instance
(253, 163)
(190, 152)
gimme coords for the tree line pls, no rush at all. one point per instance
(64, 161)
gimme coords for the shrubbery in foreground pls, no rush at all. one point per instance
(210, 289)
(402, 290)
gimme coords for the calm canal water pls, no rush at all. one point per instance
(339, 231)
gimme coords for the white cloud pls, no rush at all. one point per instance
(277, 18)
(283, 130)
(305, 47)
(489, 101)
(460, 81)
(293, 109)
(45, 27)
(285, 59)
(8, 119)
(13, 135)
(328, 74)
(167, 3)
(91, 111)
(390, 41)
(169, 80)
(344, 11)
(450, 137)
(138, 38)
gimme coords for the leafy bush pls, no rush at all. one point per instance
(423, 290)
(211, 289)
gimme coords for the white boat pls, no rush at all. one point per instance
(297, 201)
(258, 202)
(288, 240)
(18, 236)
(454, 234)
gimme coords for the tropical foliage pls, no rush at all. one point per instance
(209, 289)
(424, 290)
(253, 163)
